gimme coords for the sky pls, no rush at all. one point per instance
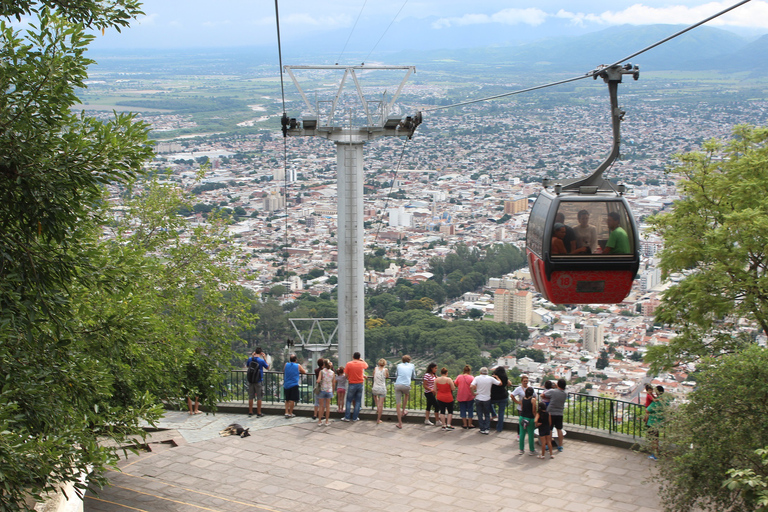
(370, 26)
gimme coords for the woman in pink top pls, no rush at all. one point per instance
(465, 397)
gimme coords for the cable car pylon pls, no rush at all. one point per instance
(349, 163)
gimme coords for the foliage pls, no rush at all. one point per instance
(602, 361)
(532, 353)
(753, 486)
(718, 236)
(93, 333)
(717, 430)
(55, 398)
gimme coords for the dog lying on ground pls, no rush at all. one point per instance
(235, 429)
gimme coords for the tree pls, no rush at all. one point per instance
(717, 235)
(94, 334)
(602, 361)
(715, 432)
(53, 167)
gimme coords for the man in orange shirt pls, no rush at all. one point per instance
(355, 372)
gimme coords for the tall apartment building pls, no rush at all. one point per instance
(511, 306)
(522, 307)
(515, 205)
(594, 340)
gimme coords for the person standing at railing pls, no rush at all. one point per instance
(405, 372)
(379, 388)
(518, 394)
(556, 409)
(341, 388)
(465, 397)
(256, 388)
(481, 388)
(316, 389)
(291, 375)
(355, 372)
(428, 383)
(500, 397)
(445, 388)
(528, 409)
(327, 381)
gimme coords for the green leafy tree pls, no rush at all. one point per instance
(714, 432)
(56, 396)
(602, 361)
(717, 235)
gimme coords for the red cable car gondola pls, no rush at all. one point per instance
(582, 241)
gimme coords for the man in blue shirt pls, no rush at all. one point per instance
(256, 388)
(291, 378)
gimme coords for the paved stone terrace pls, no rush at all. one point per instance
(295, 465)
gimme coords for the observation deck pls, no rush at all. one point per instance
(292, 464)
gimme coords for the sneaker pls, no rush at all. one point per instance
(356, 419)
(448, 427)
(427, 422)
(652, 457)
(287, 416)
(439, 423)
(250, 414)
(344, 419)
(259, 415)
(521, 452)
(559, 448)
(532, 453)
(485, 432)
(314, 417)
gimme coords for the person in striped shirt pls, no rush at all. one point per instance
(429, 393)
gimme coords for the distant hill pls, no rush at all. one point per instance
(704, 48)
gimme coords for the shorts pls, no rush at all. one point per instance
(431, 401)
(400, 390)
(341, 390)
(255, 390)
(445, 406)
(292, 394)
(379, 392)
(323, 395)
(557, 422)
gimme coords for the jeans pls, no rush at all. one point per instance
(354, 393)
(501, 405)
(467, 409)
(483, 414)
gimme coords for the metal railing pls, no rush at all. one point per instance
(581, 410)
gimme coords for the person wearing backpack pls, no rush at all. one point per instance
(255, 377)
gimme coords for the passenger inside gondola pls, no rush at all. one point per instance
(618, 240)
(558, 246)
(569, 241)
(586, 234)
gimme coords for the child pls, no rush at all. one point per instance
(341, 388)
(544, 395)
(544, 424)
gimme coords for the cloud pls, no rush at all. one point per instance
(530, 16)
(753, 14)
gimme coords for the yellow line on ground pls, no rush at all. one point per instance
(115, 503)
(154, 479)
(167, 499)
(139, 458)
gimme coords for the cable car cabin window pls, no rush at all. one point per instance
(537, 223)
(597, 228)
